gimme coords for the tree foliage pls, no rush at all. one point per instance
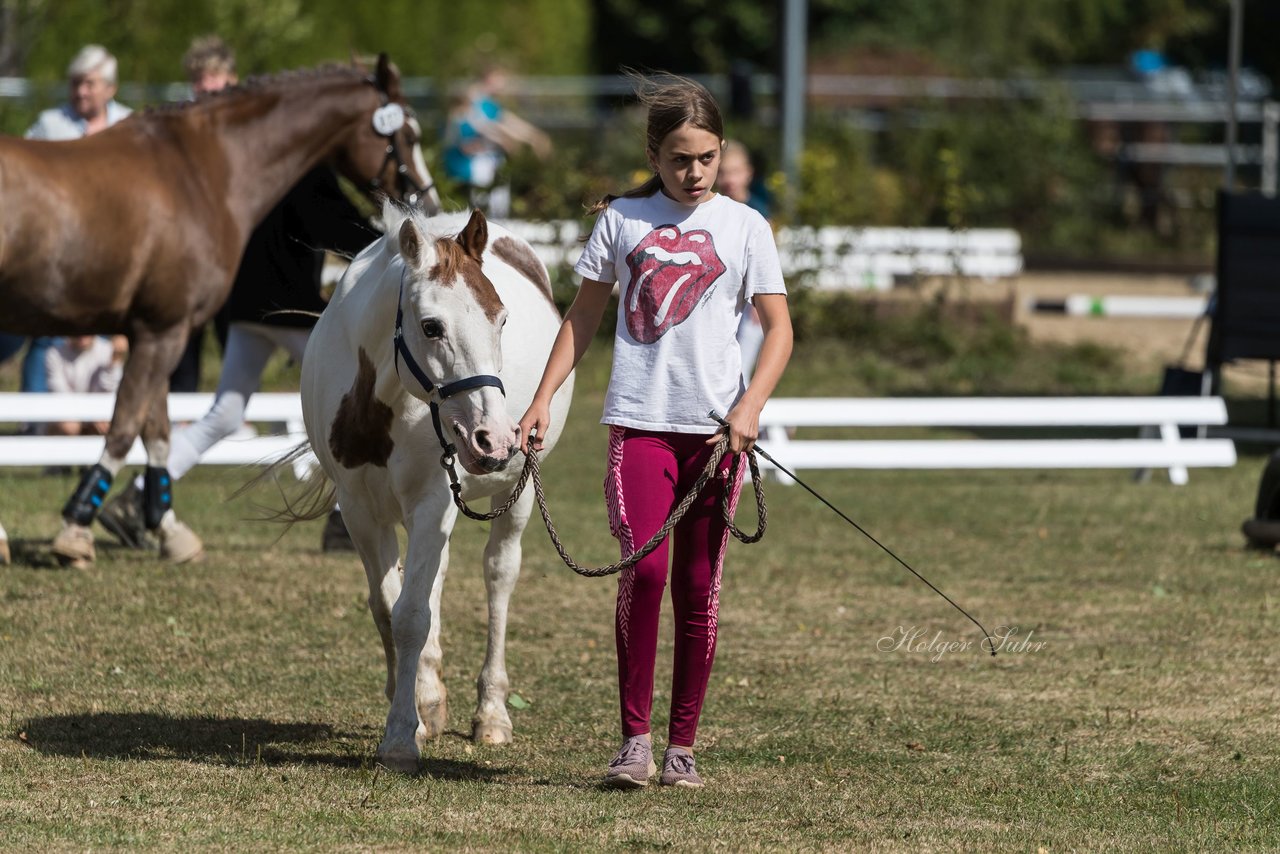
(971, 37)
(442, 38)
(687, 37)
(424, 37)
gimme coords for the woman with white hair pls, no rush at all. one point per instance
(92, 107)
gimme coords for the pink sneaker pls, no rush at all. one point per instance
(678, 769)
(633, 766)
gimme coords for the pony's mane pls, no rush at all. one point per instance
(449, 258)
(436, 228)
(441, 231)
(260, 82)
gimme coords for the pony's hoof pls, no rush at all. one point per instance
(179, 544)
(484, 733)
(401, 760)
(433, 720)
(73, 547)
(123, 518)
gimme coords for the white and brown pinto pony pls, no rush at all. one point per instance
(437, 311)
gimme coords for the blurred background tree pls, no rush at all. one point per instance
(435, 37)
(425, 37)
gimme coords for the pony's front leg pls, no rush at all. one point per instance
(491, 724)
(151, 360)
(412, 621)
(431, 696)
(379, 551)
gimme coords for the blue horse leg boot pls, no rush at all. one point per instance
(157, 495)
(86, 501)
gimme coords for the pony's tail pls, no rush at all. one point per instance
(315, 499)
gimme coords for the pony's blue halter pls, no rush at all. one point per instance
(443, 392)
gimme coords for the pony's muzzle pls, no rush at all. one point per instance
(492, 464)
(486, 450)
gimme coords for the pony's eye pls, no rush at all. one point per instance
(432, 328)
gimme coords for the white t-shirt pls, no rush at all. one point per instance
(684, 274)
(62, 123)
(93, 369)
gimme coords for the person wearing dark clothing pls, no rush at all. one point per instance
(274, 303)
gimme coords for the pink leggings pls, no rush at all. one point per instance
(649, 473)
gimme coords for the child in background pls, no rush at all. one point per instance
(687, 261)
(737, 178)
(737, 181)
(84, 363)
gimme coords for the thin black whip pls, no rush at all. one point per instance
(762, 452)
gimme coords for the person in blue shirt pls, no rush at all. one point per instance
(479, 135)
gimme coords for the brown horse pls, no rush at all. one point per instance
(139, 230)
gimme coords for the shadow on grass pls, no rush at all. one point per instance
(34, 554)
(146, 736)
(38, 554)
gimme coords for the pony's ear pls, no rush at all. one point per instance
(475, 236)
(411, 244)
(388, 77)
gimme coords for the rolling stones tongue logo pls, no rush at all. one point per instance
(670, 272)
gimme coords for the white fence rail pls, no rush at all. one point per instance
(1160, 444)
(281, 410)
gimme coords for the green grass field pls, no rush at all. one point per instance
(237, 703)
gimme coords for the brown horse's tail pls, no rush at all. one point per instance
(314, 498)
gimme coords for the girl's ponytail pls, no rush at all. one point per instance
(648, 188)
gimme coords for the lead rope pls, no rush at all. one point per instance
(532, 470)
(717, 454)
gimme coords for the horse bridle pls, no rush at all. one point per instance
(442, 392)
(408, 187)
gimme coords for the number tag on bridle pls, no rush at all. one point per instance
(388, 119)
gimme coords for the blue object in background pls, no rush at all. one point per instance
(34, 375)
(1144, 62)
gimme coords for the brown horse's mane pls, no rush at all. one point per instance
(257, 83)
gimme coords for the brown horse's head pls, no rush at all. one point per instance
(384, 154)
